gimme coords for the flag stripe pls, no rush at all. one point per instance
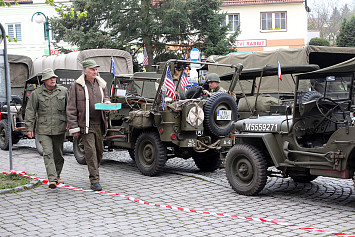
(184, 82)
(145, 58)
(169, 84)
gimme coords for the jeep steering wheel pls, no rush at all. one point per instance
(327, 112)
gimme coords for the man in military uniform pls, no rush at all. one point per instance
(213, 81)
(45, 112)
(83, 119)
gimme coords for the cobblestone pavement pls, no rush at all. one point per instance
(324, 204)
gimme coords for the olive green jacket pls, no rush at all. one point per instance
(218, 89)
(47, 109)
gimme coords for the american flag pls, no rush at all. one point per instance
(184, 82)
(145, 59)
(169, 84)
(279, 70)
(113, 68)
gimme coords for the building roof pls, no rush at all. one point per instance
(257, 2)
(250, 2)
(19, 1)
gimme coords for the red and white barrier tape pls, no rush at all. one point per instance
(23, 173)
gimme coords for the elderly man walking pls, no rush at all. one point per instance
(45, 115)
(83, 119)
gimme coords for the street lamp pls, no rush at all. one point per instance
(39, 17)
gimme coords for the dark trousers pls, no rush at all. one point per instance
(52, 154)
(93, 147)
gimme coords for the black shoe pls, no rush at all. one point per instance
(96, 187)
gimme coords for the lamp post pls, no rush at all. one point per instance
(39, 18)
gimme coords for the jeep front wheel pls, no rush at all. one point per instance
(220, 111)
(246, 169)
(78, 150)
(4, 135)
(207, 161)
(150, 153)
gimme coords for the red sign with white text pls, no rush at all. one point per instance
(249, 43)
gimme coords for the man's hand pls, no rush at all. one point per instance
(30, 134)
(206, 92)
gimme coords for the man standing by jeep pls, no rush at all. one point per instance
(45, 111)
(213, 81)
(83, 119)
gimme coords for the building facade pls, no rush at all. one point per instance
(267, 24)
(26, 36)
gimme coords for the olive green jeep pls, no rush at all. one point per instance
(154, 127)
(315, 137)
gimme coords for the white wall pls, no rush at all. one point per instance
(250, 21)
(33, 43)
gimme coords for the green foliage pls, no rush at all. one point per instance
(13, 180)
(346, 37)
(177, 25)
(319, 42)
(8, 4)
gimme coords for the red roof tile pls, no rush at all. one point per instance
(257, 2)
(19, 1)
(249, 2)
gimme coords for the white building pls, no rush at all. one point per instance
(19, 22)
(267, 24)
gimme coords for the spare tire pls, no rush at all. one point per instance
(194, 92)
(214, 122)
(311, 95)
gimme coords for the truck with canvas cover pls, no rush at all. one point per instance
(68, 68)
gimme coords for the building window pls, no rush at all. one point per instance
(14, 32)
(233, 21)
(273, 21)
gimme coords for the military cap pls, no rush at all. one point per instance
(47, 74)
(90, 64)
(212, 77)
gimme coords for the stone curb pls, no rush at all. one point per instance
(33, 184)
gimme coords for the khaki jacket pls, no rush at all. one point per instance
(218, 90)
(45, 110)
(78, 105)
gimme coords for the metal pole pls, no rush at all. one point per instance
(8, 94)
(46, 26)
(47, 32)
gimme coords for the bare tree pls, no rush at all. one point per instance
(327, 18)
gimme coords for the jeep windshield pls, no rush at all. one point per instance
(332, 87)
(335, 82)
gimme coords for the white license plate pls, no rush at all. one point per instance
(224, 114)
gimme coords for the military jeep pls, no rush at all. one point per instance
(154, 127)
(315, 138)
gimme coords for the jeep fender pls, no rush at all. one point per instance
(268, 141)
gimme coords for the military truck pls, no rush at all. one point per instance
(315, 137)
(154, 127)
